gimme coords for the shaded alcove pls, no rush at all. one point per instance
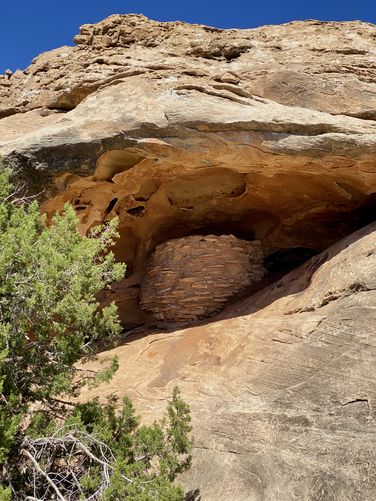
(294, 214)
(250, 224)
(285, 260)
(114, 161)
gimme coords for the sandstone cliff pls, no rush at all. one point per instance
(268, 135)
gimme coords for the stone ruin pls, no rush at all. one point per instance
(194, 277)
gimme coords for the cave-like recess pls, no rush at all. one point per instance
(295, 213)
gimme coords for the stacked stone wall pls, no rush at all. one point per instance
(193, 277)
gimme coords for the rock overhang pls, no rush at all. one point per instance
(180, 139)
(170, 192)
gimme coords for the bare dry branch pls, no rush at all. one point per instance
(44, 474)
(66, 456)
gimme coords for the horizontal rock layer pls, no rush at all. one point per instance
(327, 66)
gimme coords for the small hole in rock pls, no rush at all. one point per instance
(284, 260)
(111, 205)
(137, 211)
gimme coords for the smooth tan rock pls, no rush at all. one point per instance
(319, 65)
(281, 385)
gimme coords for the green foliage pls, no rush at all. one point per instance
(102, 452)
(50, 276)
(146, 455)
(5, 494)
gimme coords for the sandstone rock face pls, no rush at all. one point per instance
(180, 129)
(281, 385)
(268, 135)
(325, 66)
(193, 277)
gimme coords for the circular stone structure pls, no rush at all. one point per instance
(193, 277)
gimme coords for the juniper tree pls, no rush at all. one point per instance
(50, 276)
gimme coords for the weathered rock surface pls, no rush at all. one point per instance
(282, 385)
(193, 277)
(266, 134)
(325, 66)
(183, 129)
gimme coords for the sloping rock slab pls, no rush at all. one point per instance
(281, 385)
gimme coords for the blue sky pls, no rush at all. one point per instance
(29, 27)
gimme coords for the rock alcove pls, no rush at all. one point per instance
(200, 133)
(288, 215)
